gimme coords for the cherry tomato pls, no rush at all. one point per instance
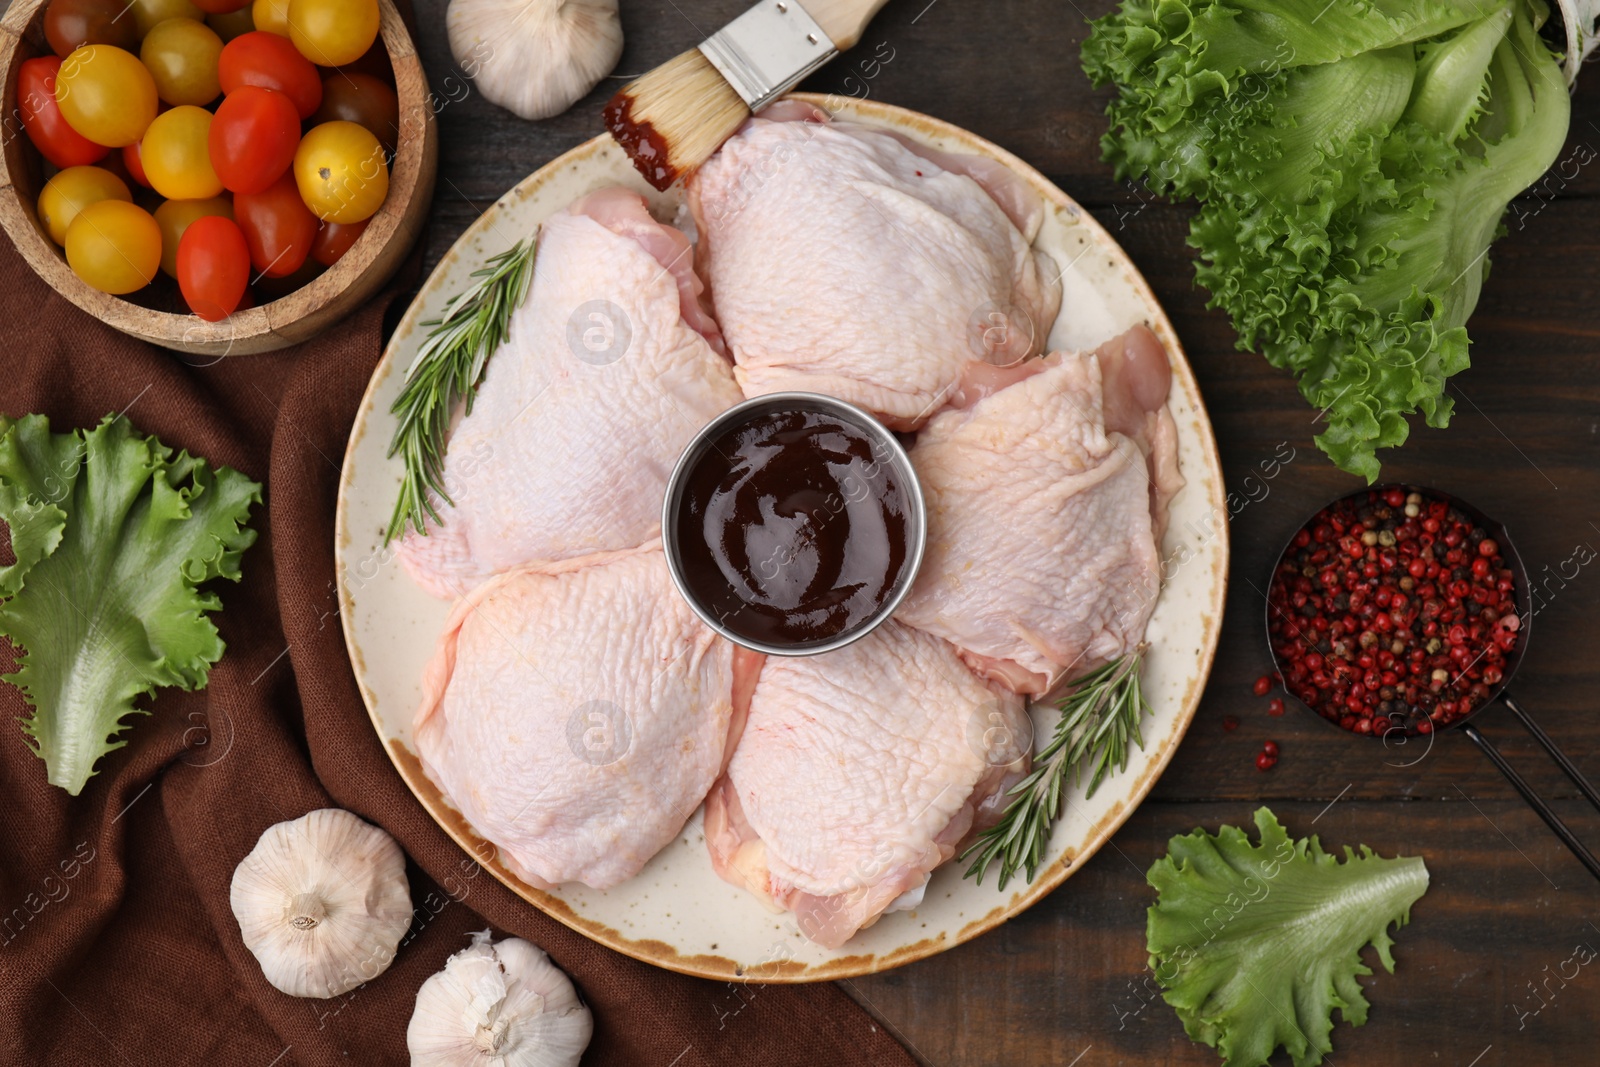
(231, 25)
(340, 168)
(272, 62)
(114, 246)
(269, 289)
(115, 165)
(148, 14)
(333, 32)
(334, 240)
(182, 55)
(278, 227)
(71, 24)
(175, 216)
(363, 100)
(106, 94)
(213, 267)
(177, 157)
(253, 138)
(375, 61)
(46, 127)
(72, 190)
(221, 7)
(135, 164)
(271, 16)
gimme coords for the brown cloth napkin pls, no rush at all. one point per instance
(117, 943)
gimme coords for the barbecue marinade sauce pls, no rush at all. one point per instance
(792, 530)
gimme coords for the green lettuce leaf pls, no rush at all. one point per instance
(1255, 945)
(112, 534)
(1352, 172)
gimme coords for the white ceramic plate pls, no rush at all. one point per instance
(677, 913)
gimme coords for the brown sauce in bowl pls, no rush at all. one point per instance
(795, 527)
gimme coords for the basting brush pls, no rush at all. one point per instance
(670, 120)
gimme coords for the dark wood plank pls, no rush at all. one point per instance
(1066, 978)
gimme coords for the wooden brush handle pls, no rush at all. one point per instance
(843, 20)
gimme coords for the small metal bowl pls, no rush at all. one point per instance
(885, 446)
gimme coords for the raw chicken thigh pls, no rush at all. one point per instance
(843, 260)
(577, 712)
(611, 366)
(1046, 498)
(860, 771)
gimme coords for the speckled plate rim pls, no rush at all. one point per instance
(1133, 790)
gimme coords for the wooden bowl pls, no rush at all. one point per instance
(157, 313)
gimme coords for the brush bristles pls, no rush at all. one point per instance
(672, 119)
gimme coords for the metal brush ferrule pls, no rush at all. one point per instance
(767, 50)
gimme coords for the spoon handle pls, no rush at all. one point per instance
(1568, 768)
(1551, 819)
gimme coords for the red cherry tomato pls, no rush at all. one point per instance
(253, 138)
(278, 227)
(271, 62)
(42, 119)
(213, 267)
(334, 240)
(220, 7)
(135, 164)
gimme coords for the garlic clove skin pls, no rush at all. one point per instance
(322, 903)
(535, 58)
(500, 1004)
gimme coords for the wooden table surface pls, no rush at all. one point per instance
(1066, 983)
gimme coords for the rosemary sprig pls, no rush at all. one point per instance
(1097, 720)
(449, 366)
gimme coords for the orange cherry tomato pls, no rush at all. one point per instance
(333, 32)
(42, 120)
(254, 137)
(363, 100)
(176, 154)
(271, 16)
(334, 240)
(181, 55)
(135, 165)
(271, 62)
(72, 190)
(114, 246)
(71, 24)
(148, 14)
(106, 94)
(278, 227)
(342, 172)
(213, 267)
(175, 216)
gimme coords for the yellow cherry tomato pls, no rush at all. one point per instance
(72, 190)
(181, 55)
(272, 16)
(114, 246)
(174, 217)
(231, 24)
(106, 94)
(176, 153)
(148, 14)
(331, 33)
(341, 171)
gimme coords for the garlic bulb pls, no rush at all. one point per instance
(503, 1004)
(535, 57)
(322, 902)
